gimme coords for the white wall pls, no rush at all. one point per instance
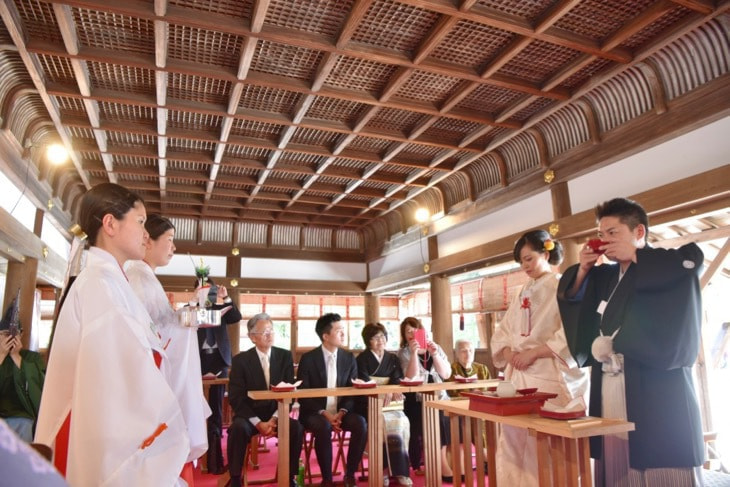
(692, 153)
(523, 214)
(303, 270)
(408, 256)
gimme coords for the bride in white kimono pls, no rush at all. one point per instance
(530, 344)
(106, 409)
(181, 344)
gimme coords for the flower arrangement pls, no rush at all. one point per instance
(548, 245)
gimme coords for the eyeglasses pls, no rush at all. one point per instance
(265, 334)
(379, 336)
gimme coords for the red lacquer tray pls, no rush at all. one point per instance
(507, 406)
(562, 415)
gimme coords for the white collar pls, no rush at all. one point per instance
(262, 354)
(327, 353)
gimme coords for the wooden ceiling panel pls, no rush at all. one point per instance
(332, 112)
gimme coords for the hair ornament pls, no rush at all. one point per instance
(549, 245)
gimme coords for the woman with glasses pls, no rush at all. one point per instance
(384, 368)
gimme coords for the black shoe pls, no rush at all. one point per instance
(350, 482)
(449, 479)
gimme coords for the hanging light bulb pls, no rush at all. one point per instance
(57, 154)
(422, 215)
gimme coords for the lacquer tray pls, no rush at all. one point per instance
(507, 406)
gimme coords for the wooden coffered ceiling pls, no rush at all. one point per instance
(344, 114)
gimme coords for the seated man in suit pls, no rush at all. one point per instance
(253, 370)
(331, 366)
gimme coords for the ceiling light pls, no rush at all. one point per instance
(422, 215)
(57, 154)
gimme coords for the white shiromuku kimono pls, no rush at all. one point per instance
(531, 320)
(182, 368)
(126, 427)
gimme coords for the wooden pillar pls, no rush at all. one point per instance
(372, 308)
(441, 327)
(22, 275)
(561, 209)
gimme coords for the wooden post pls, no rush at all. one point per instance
(441, 327)
(372, 308)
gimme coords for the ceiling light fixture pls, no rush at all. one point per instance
(56, 154)
(422, 215)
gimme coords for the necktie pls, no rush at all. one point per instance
(265, 366)
(210, 337)
(331, 383)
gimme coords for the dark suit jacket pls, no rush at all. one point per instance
(247, 375)
(313, 374)
(220, 333)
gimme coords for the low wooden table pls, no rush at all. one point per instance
(375, 427)
(562, 445)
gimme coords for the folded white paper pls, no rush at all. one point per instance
(286, 384)
(363, 382)
(416, 378)
(573, 406)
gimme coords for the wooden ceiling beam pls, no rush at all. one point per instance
(218, 22)
(705, 7)
(247, 115)
(261, 285)
(638, 23)
(38, 46)
(553, 13)
(511, 23)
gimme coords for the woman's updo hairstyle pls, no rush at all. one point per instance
(540, 241)
(102, 199)
(156, 225)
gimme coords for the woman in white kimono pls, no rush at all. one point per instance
(530, 344)
(106, 409)
(181, 343)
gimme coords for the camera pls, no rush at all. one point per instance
(14, 330)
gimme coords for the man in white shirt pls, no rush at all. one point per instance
(331, 366)
(254, 370)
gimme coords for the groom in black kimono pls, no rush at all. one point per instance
(637, 322)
